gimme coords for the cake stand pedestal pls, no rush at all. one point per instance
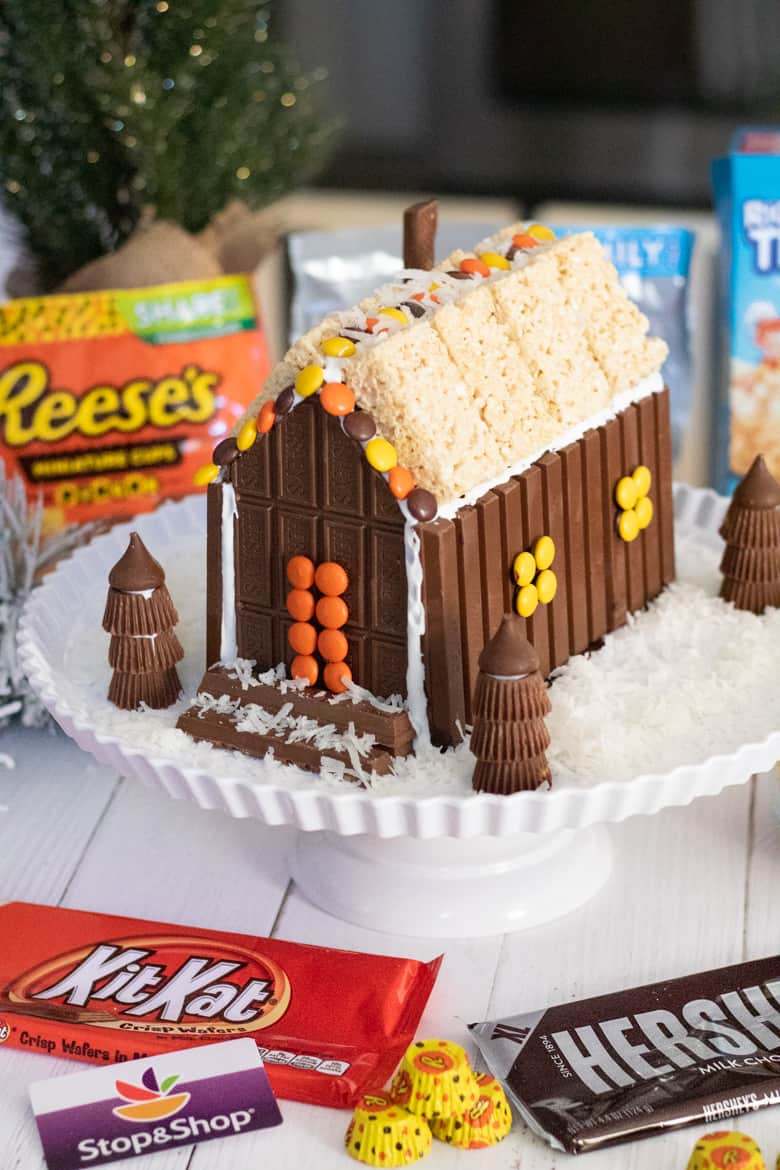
(458, 887)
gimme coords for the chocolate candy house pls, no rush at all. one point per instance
(486, 436)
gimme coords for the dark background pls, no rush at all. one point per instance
(556, 99)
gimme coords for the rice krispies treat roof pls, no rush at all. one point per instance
(481, 368)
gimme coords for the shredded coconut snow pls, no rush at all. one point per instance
(355, 694)
(687, 679)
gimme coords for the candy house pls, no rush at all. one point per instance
(486, 436)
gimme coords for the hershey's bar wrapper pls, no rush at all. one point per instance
(618, 1067)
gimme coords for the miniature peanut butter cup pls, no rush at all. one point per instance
(382, 1133)
(435, 1079)
(724, 1149)
(485, 1124)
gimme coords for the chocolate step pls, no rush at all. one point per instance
(392, 730)
(222, 731)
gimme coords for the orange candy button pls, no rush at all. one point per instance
(400, 482)
(304, 666)
(523, 240)
(300, 572)
(331, 579)
(473, 264)
(337, 398)
(332, 612)
(302, 636)
(332, 645)
(335, 674)
(266, 418)
(300, 605)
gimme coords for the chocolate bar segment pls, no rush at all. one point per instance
(601, 1071)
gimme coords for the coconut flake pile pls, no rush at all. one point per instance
(686, 679)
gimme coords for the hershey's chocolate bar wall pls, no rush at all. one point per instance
(610, 1069)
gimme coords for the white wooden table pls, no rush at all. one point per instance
(692, 888)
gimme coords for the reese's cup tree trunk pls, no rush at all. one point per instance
(510, 738)
(140, 617)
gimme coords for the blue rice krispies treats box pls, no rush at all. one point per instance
(747, 200)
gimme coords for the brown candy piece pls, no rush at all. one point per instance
(359, 425)
(285, 401)
(225, 452)
(456, 274)
(420, 234)
(422, 504)
(414, 307)
(136, 569)
(759, 488)
(509, 654)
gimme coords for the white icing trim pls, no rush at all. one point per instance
(649, 385)
(228, 648)
(145, 593)
(416, 699)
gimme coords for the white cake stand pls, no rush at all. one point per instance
(476, 864)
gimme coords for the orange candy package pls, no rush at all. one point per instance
(111, 401)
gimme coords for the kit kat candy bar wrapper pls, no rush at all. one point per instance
(691, 1051)
(329, 1025)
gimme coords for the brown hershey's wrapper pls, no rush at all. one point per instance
(619, 1067)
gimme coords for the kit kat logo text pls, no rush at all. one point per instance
(31, 410)
(170, 984)
(149, 1101)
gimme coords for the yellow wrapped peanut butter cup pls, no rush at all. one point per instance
(435, 1080)
(485, 1124)
(381, 1133)
(726, 1150)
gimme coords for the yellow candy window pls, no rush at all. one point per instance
(635, 508)
(535, 580)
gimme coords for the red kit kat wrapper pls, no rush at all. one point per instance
(692, 1051)
(330, 1025)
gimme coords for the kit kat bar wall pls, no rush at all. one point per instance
(442, 657)
(570, 496)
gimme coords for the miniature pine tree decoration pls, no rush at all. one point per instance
(751, 530)
(510, 738)
(140, 618)
(110, 107)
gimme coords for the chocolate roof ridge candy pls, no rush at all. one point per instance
(136, 569)
(758, 488)
(420, 221)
